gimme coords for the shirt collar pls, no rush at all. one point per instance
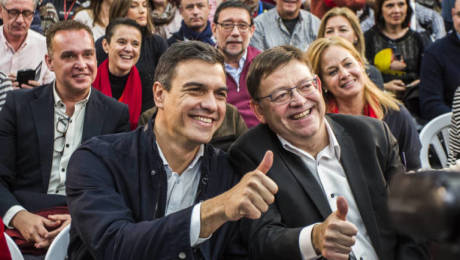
(240, 63)
(198, 156)
(58, 100)
(333, 143)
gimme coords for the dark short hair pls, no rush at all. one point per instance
(270, 60)
(67, 25)
(380, 22)
(232, 4)
(184, 51)
(110, 29)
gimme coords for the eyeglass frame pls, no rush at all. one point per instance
(63, 133)
(314, 81)
(19, 12)
(233, 26)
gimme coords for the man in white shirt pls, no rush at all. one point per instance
(20, 47)
(41, 127)
(332, 171)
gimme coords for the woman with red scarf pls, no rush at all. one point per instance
(348, 90)
(118, 76)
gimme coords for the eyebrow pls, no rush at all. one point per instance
(201, 85)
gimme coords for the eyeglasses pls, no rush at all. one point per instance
(284, 95)
(228, 26)
(14, 13)
(61, 127)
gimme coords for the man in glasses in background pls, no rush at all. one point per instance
(331, 170)
(20, 47)
(39, 130)
(233, 28)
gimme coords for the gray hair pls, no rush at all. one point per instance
(4, 2)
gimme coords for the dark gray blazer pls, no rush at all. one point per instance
(26, 143)
(369, 156)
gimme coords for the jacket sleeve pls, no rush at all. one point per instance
(431, 90)
(106, 224)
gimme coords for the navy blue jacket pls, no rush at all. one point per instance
(116, 188)
(439, 77)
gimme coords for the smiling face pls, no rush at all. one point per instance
(138, 11)
(17, 27)
(394, 12)
(194, 107)
(234, 43)
(288, 9)
(73, 60)
(123, 49)
(195, 13)
(341, 27)
(341, 73)
(301, 119)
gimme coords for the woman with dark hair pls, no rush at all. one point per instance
(166, 17)
(118, 76)
(96, 16)
(152, 48)
(348, 90)
(342, 22)
(394, 48)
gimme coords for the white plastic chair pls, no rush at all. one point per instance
(14, 249)
(58, 248)
(436, 135)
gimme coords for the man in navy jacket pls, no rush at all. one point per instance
(134, 195)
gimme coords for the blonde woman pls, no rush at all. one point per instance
(342, 22)
(348, 90)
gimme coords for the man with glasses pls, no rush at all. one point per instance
(233, 29)
(195, 24)
(331, 171)
(22, 48)
(39, 130)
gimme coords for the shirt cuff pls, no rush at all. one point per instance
(195, 227)
(306, 245)
(9, 215)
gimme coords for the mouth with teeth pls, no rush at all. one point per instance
(126, 57)
(301, 115)
(203, 120)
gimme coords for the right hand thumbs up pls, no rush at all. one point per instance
(334, 237)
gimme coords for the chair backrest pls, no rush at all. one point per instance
(435, 134)
(15, 252)
(58, 248)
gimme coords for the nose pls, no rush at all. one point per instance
(142, 9)
(343, 73)
(235, 30)
(80, 63)
(20, 18)
(296, 98)
(209, 102)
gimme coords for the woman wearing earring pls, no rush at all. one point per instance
(342, 22)
(348, 90)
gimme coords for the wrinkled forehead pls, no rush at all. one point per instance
(19, 4)
(285, 76)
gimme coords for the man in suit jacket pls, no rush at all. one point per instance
(41, 127)
(332, 171)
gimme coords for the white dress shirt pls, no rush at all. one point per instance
(69, 143)
(30, 55)
(331, 176)
(181, 193)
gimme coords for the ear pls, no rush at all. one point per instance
(159, 93)
(49, 62)
(320, 87)
(258, 111)
(213, 29)
(105, 45)
(252, 29)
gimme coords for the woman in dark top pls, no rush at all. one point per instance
(118, 76)
(348, 90)
(342, 22)
(152, 48)
(393, 47)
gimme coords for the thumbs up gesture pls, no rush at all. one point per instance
(249, 198)
(334, 237)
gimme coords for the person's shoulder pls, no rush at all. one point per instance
(125, 144)
(253, 52)
(266, 16)
(35, 36)
(309, 16)
(355, 123)
(441, 44)
(256, 137)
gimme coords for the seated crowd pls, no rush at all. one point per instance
(218, 129)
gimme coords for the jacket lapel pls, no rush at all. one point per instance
(355, 176)
(94, 119)
(43, 116)
(303, 175)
